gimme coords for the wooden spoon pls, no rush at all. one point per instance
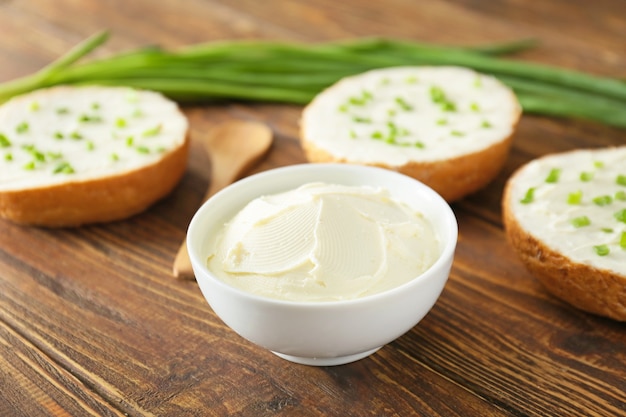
(234, 147)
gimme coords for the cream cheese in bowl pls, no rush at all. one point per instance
(323, 242)
(323, 264)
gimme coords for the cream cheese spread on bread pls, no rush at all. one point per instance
(395, 116)
(575, 203)
(80, 133)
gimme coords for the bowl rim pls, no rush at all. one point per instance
(449, 237)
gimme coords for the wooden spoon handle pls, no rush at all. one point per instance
(182, 264)
(227, 166)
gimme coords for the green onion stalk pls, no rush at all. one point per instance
(293, 73)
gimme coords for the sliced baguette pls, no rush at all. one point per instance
(565, 215)
(448, 127)
(77, 155)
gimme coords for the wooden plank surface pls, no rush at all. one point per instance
(91, 322)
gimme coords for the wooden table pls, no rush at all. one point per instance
(92, 322)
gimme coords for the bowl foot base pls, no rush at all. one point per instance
(340, 360)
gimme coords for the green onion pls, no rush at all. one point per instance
(553, 176)
(601, 250)
(603, 200)
(620, 195)
(575, 197)
(294, 73)
(4, 141)
(581, 221)
(152, 131)
(621, 180)
(621, 216)
(622, 240)
(22, 127)
(63, 168)
(586, 176)
(529, 197)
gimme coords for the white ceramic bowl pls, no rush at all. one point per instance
(322, 333)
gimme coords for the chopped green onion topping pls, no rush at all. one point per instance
(129, 141)
(575, 198)
(603, 200)
(554, 175)
(601, 250)
(4, 141)
(63, 110)
(438, 96)
(95, 106)
(58, 135)
(34, 152)
(621, 215)
(22, 127)
(485, 124)
(29, 166)
(411, 79)
(474, 107)
(152, 132)
(88, 118)
(404, 105)
(76, 136)
(457, 133)
(64, 168)
(598, 164)
(607, 230)
(620, 195)
(115, 157)
(90, 146)
(362, 100)
(442, 122)
(580, 221)
(359, 119)
(34, 106)
(529, 197)
(622, 240)
(586, 176)
(143, 149)
(120, 122)
(621, 180)
(8, 157)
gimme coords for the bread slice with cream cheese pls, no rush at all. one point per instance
(76, 155)
(449, 127)
(565, 215)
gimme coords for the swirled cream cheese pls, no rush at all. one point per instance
(575, 202)
(323, 242)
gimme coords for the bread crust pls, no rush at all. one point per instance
(452, 178)
(104, 199)
(594, 290)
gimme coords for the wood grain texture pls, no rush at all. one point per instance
(92, 323)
